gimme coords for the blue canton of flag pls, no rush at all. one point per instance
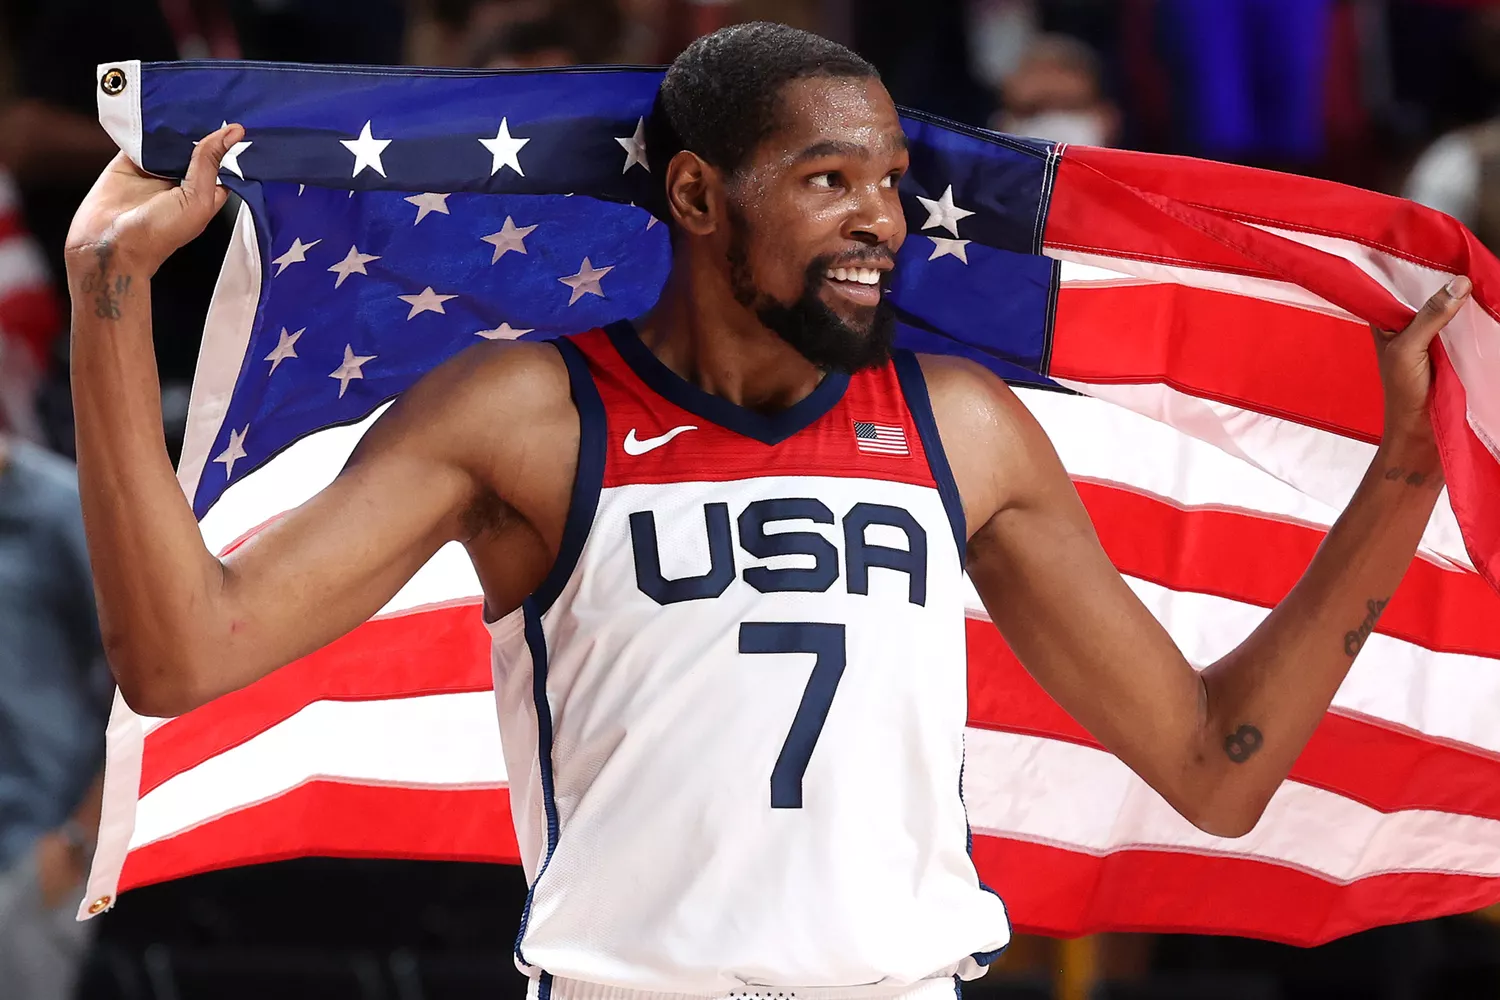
(386, 238)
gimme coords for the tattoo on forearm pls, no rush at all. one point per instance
(1412, 477)
(1241, 745)
(107, 290)
(1354, 639)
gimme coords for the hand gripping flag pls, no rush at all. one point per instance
(1193, 337)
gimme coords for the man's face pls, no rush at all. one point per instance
(815, 222)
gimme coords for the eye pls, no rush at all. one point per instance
(823, 180)
(890, 180)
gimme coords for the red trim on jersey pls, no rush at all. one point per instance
(712, 453)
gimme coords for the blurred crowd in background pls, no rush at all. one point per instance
(1402, 96)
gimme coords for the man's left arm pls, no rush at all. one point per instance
(1216, 744)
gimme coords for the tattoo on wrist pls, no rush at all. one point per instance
(1415, 478)
(1241, 745)
(1354, 640)
(106, 289)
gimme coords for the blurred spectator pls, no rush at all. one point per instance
(54, 700)
(1249, 77)
(545, 41)
(51, 140)
(1460, 174)
(922, 53)
(456, 32)
(30, 316)
(1056, 91)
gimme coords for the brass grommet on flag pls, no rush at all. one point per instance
(113, 81)
(99, 905)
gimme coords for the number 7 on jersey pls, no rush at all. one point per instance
(826, 642)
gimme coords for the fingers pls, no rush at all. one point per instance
(200, 186)
(1435, 314)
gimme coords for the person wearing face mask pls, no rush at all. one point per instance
(1056, 92)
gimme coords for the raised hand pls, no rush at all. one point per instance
(1406, 367)
(133, 217)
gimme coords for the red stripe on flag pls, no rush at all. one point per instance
(1473, 473)
(335, 819)
(1062, 893)
(441, 651)
(1156, 333)
(1245, 557)
(1391, 225)
(1385, 768)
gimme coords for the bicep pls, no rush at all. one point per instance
(1067, 613)
(322, 568)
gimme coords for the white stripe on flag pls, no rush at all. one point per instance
(450, 740)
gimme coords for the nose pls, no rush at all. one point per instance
(877, 219)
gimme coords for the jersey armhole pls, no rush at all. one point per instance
(919, 404)
(587, 481)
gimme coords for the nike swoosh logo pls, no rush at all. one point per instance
(637, 446)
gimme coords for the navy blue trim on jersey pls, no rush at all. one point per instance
(984, 958)
(919, 402)
(587, 481)
(536, 644)
(767, 428)
(544, 987)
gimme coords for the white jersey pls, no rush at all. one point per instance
(733, 714)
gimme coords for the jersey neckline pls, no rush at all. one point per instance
(766, 428)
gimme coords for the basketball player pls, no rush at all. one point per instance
(728, 643)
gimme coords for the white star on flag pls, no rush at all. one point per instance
(295, 254)
(502, 332)
(234, 452)
(286, 345)
(231, 161)
(635, 147)
(504, 149)
(427, 204)
(353, 263)
(943, 212)
(366, 150)
(350, 369)
(944, 247)
(509, 238)
(426, 301)
(586, 281)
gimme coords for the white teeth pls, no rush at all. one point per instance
(862, 275)
(868, 276)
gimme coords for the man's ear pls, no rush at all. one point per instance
(695, 193)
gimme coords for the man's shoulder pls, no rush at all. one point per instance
(956, 380)
(501, 379)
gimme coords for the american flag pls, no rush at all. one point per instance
(1192, 336)
(880, 439)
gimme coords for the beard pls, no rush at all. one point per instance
(808, 324)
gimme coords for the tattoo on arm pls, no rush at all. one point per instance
(106, 290)
(1241, 745)
(1430, 480)
(1354, 639)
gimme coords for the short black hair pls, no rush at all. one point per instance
(719, 97)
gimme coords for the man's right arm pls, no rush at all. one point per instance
(180, 626)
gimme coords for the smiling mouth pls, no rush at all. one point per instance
(860, 285)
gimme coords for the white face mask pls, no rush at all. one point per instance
(1082, 128)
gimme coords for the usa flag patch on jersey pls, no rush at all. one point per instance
(880, 439)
